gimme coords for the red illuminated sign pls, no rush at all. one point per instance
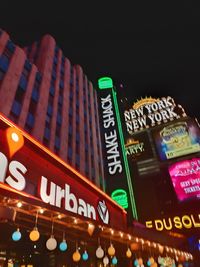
(38, 175)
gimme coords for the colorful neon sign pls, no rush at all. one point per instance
(185, 176)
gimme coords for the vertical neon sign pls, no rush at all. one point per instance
(116, 163)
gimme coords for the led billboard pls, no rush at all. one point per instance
(185, 176)
(177, 139)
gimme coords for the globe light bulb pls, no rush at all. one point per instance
(16, 236)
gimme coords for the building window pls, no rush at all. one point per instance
(49, 110)
(59, 119)
(47, 133)
(10, 46)
(16, 108)
(23, 83)
(35, 95)
(4, 63)
(52, 91)
(61, 85)
(9, 49)
(38, 77)
(57, 142)
(30, 120)
(69, 154)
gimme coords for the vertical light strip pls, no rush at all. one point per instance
(128, 176)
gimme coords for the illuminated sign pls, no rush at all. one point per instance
(138, 147)
(185, 176)
(186, 221)
(105, 83)
(41, 177)
(120, 196)
(116, 166)
(113, 155)
(134, 147)
(177, 139)
(150, 112)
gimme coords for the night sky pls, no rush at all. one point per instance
(152, 48)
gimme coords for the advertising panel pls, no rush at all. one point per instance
(177, 139)
(138, 147)
(34, 174)
(185, 176)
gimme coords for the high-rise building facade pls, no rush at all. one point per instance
(43, 93)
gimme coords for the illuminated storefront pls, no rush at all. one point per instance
(52, 216)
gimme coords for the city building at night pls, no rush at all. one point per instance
(51, 214)
(52, 100)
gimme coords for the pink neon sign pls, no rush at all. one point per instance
(185, 177)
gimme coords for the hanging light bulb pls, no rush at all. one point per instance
(76, 255)
(85, 256)
(16, 236)
(34, 234)
(105, 260)
(148, 263)
(140, 261)
(63, 244)
(136, 262)
(111, 250)
(51, 243)
(128, 253)
(114, 260)
(91, 228)
(99, 252)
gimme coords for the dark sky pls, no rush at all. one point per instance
(151, 47)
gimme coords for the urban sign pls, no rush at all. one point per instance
(28, 167)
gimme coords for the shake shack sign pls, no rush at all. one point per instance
(150, 112)
(112, 149)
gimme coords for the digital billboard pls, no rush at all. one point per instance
(177, 139)
(185, 176)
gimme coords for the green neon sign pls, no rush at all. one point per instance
(120, 196)
(105, 83)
